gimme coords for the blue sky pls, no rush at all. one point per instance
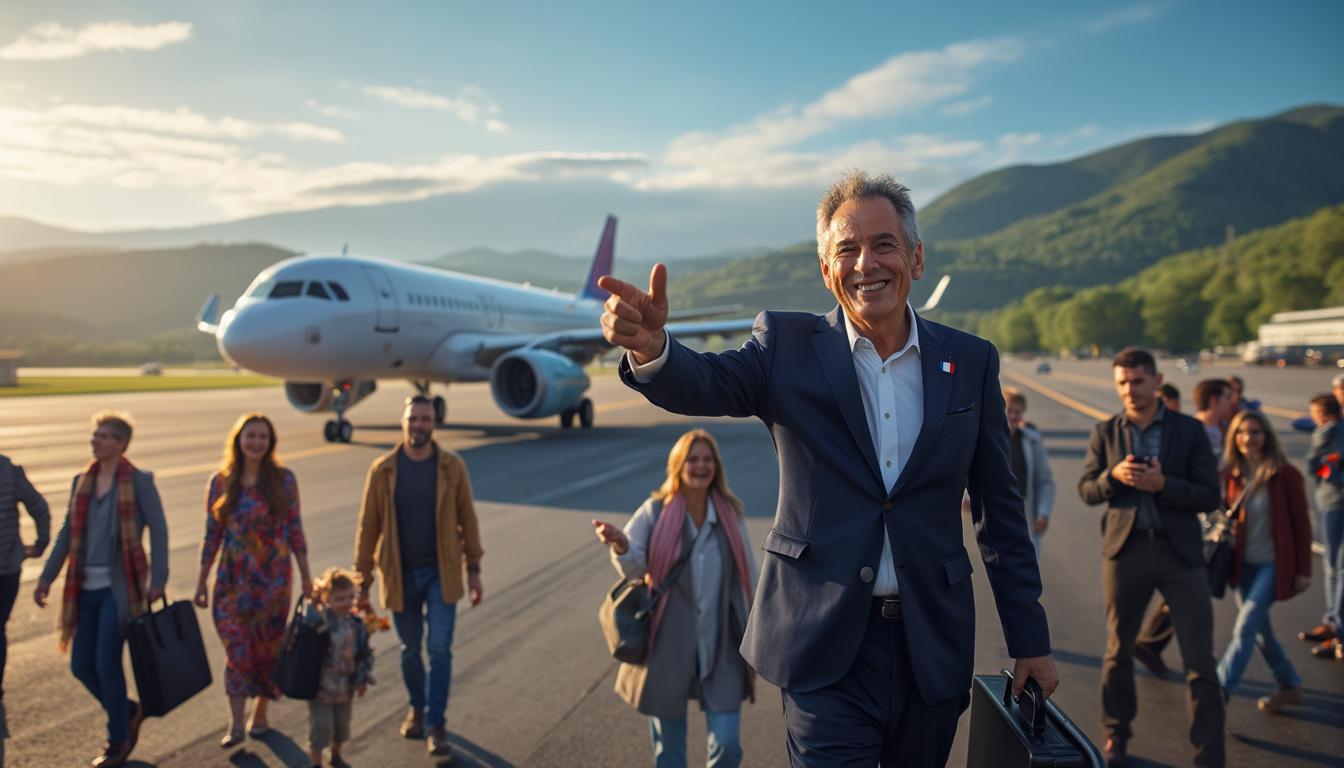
(119, 114)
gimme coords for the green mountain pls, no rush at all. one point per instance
(1197, 299)
(125, 294)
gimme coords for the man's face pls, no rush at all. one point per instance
(1017, 415)
(1172, 403)
(1136, 387)
(870, 266)
(417, 424)
(1319, 416)
(106, 444)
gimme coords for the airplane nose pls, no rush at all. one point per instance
(247, 340)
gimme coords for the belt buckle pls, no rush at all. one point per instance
(891, 607)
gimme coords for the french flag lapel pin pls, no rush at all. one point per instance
(949, 367)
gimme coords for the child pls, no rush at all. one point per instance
(346, 670)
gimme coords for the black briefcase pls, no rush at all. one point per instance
(167, 657)
(1029, 732)
(298, 671)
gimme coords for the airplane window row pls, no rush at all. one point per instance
(287, 289)
(424, 300)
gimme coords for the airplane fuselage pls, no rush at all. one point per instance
(342, 318)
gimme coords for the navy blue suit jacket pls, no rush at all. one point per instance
(796, 374)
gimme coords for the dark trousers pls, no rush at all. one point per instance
(1128, 580)
(95, 659)
(9, 589)
(873, 715)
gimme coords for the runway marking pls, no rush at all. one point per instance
(607, 407)
(1058, 397)
(1286, 413)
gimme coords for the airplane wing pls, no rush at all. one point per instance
(585, 342)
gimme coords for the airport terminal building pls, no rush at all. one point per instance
(1310, 336)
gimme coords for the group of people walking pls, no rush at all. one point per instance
(861, 611)
(417, 529)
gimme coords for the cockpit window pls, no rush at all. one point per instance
(316, 290)
(338, 290)
(260, 289)
(286, 289)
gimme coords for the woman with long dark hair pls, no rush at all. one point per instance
(252, 521)
(697, 626)
(108, 578)
(1272, 558)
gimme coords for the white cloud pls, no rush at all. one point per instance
(471, 105)
(327, 110)
(48, 42)
(1129, 16)
(763, 152)
(963, 108)
(179, 122)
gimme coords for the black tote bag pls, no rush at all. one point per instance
(167, 657)
(298, 672)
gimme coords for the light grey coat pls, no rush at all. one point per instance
(148, 514)
(671, 676)
(1040, 496)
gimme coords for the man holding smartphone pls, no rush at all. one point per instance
(1155, 472)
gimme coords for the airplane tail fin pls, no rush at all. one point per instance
(602, 262)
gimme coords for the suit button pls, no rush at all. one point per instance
(886, 506)
(866, 575)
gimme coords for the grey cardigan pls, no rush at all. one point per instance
(15, 488)
(1039, 499)
(148, 514)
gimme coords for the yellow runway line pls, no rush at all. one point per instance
(620, 405)
(1058, 397)
(1286, 413)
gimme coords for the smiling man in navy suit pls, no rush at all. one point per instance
(863, 614)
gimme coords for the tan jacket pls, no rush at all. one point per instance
(376, 535)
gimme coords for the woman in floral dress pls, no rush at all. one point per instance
(252, 515)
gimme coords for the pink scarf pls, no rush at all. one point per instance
(665, 549)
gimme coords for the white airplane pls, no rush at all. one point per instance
(331, 326)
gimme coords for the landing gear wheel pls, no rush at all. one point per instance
(586, 413)
(344, 431)
(330, 431)
(440, 410)
(567, 419)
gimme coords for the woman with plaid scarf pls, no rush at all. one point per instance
(108, 580)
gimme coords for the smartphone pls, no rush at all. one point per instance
(1148, 460)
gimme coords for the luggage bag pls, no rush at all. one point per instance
(298, 671)
(1029, 732)
(167, 657)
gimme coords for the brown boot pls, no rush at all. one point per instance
(1280, 700)
(114, 756)
(413, 727)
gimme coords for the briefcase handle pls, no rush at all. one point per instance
(1030, 705)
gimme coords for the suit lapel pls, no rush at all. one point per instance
(831, 345)
(937, 390)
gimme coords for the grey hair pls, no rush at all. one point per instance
(857, 185)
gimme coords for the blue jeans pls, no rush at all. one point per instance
(669, 740)
(1332, 565)
(95, 659)
(1254, 598)
(422, 603)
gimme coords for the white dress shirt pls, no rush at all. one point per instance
(893, 399)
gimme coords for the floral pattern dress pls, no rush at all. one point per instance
(251, 597)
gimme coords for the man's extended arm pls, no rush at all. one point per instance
(731, 383)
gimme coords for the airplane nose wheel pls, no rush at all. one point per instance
(584, 410)
(338, 431)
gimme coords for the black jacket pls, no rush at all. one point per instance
(1192, 484)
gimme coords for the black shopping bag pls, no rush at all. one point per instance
(298, 672)
(167, 656)
(1029, 732)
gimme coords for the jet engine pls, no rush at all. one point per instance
(534, 383)
(323, 396)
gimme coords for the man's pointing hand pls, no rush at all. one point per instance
(633, 319)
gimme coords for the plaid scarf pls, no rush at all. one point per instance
(132, 554)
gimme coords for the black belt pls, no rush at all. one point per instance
(887, 607)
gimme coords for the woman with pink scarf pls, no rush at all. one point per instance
(697, 626)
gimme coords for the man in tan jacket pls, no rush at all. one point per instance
(418, 524)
